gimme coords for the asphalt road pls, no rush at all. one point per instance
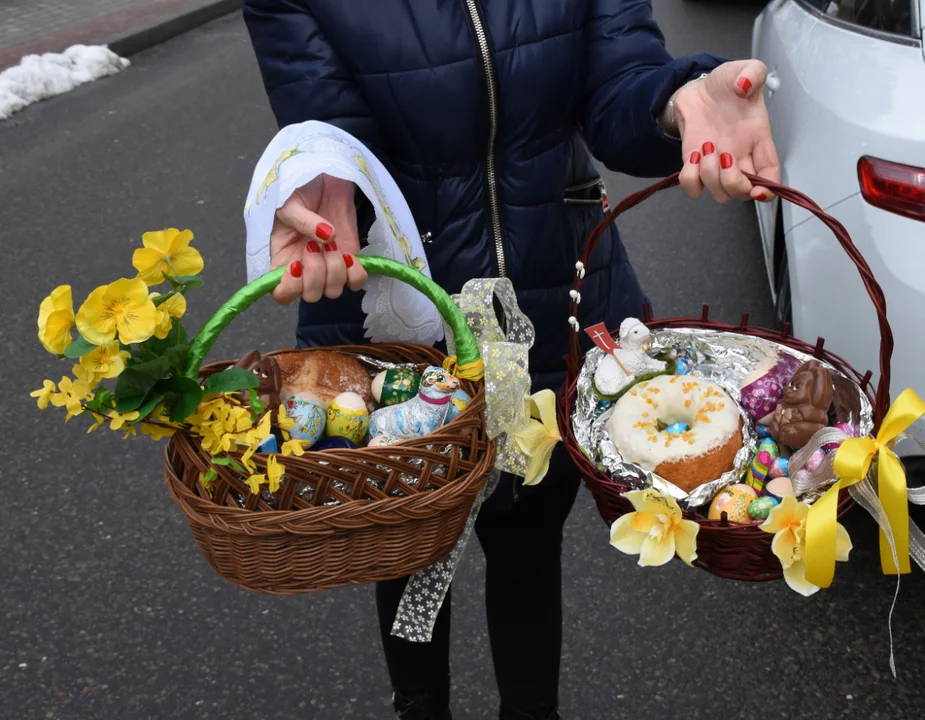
(107, 610)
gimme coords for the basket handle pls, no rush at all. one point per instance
(467, 349)
(785, 193)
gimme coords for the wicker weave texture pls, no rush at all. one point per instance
(343, 517)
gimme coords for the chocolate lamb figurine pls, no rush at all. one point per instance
(269, 378)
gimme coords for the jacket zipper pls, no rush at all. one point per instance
(490, 171)
(598, 183)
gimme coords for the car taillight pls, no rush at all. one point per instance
(893, 187)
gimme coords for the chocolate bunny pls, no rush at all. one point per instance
(269, 378)
(804, 407)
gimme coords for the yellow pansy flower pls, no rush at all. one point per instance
(56, 318)
(43, 395)
(172, 307)
(166, 252)
(656, 531)
(118, 420)
(788, 523)
(122, 308)
(275, 471)
(105, 361)
(538, 438)
(86, 377)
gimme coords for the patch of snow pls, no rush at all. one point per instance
(39, 77)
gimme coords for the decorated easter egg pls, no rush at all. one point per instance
(770, 447)
(395, 385)
(815, 460)
(334, 443)
(780, 467)
(779, 488)
(348, 417)
(763, 431)
(757, 474)
(733, 501)
(310, 417)
(677, 428)
(383, 441)
(760, 509)
(459, 401)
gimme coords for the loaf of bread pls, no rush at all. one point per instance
(326, 374)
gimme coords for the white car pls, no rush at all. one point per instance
(846, 96)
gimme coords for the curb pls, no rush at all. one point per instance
(163, 29)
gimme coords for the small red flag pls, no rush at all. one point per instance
(601, 337)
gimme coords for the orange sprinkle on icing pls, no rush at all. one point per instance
(687, 403)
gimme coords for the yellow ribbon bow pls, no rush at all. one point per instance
(852, 462)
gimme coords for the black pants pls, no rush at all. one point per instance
(522, 542)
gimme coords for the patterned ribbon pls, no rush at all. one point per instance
(507, 383)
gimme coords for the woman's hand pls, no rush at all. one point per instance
(315, 235)
(725, 131)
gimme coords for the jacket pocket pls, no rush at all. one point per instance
(591, 192)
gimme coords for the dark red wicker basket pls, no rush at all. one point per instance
(729, 550)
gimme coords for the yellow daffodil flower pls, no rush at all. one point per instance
(656, 531)
(56, 318)
(118, 420)
(172, 307)
(122, 308)
(166, 252)
(255, 481)
(246, 459)
(788, 523)
(43, 395)
(275, 471)
(538, 438)
(105, 361)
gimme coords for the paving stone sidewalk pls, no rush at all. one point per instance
(37, 26)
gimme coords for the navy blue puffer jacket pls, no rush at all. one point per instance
(487, 113)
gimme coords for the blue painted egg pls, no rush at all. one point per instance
(309, 415)
(334, 443)
(677, 428)
(459, 401)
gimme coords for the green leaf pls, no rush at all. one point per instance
(161, 299)
(230, 380)
(147, 407)
(78, 348)
(189, 282)
(183, 396)
(225, 461)
(256, 402)
(177, 356)
(136, 382)
(102, 400)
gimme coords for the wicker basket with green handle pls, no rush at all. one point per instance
(342, 517)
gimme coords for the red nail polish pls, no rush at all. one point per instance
(324, 232)
(295, 268)
(708, 148)
(330, 247)
(313, 247)
(695, 157)
(725, 161)
(348, 260)
(744, 85)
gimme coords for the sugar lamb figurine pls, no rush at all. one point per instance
(422, 414)
(628, 361)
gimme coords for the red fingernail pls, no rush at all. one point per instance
(330, 247)
(745, 85)
(725, 161)
(764, 197)
(324, 231)
(708, 148)
(295, 268)
(313, 247)
(695, 157)
(349, 260)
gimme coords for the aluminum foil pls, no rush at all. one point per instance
(722, 358)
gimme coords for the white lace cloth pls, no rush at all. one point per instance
(394, 311)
